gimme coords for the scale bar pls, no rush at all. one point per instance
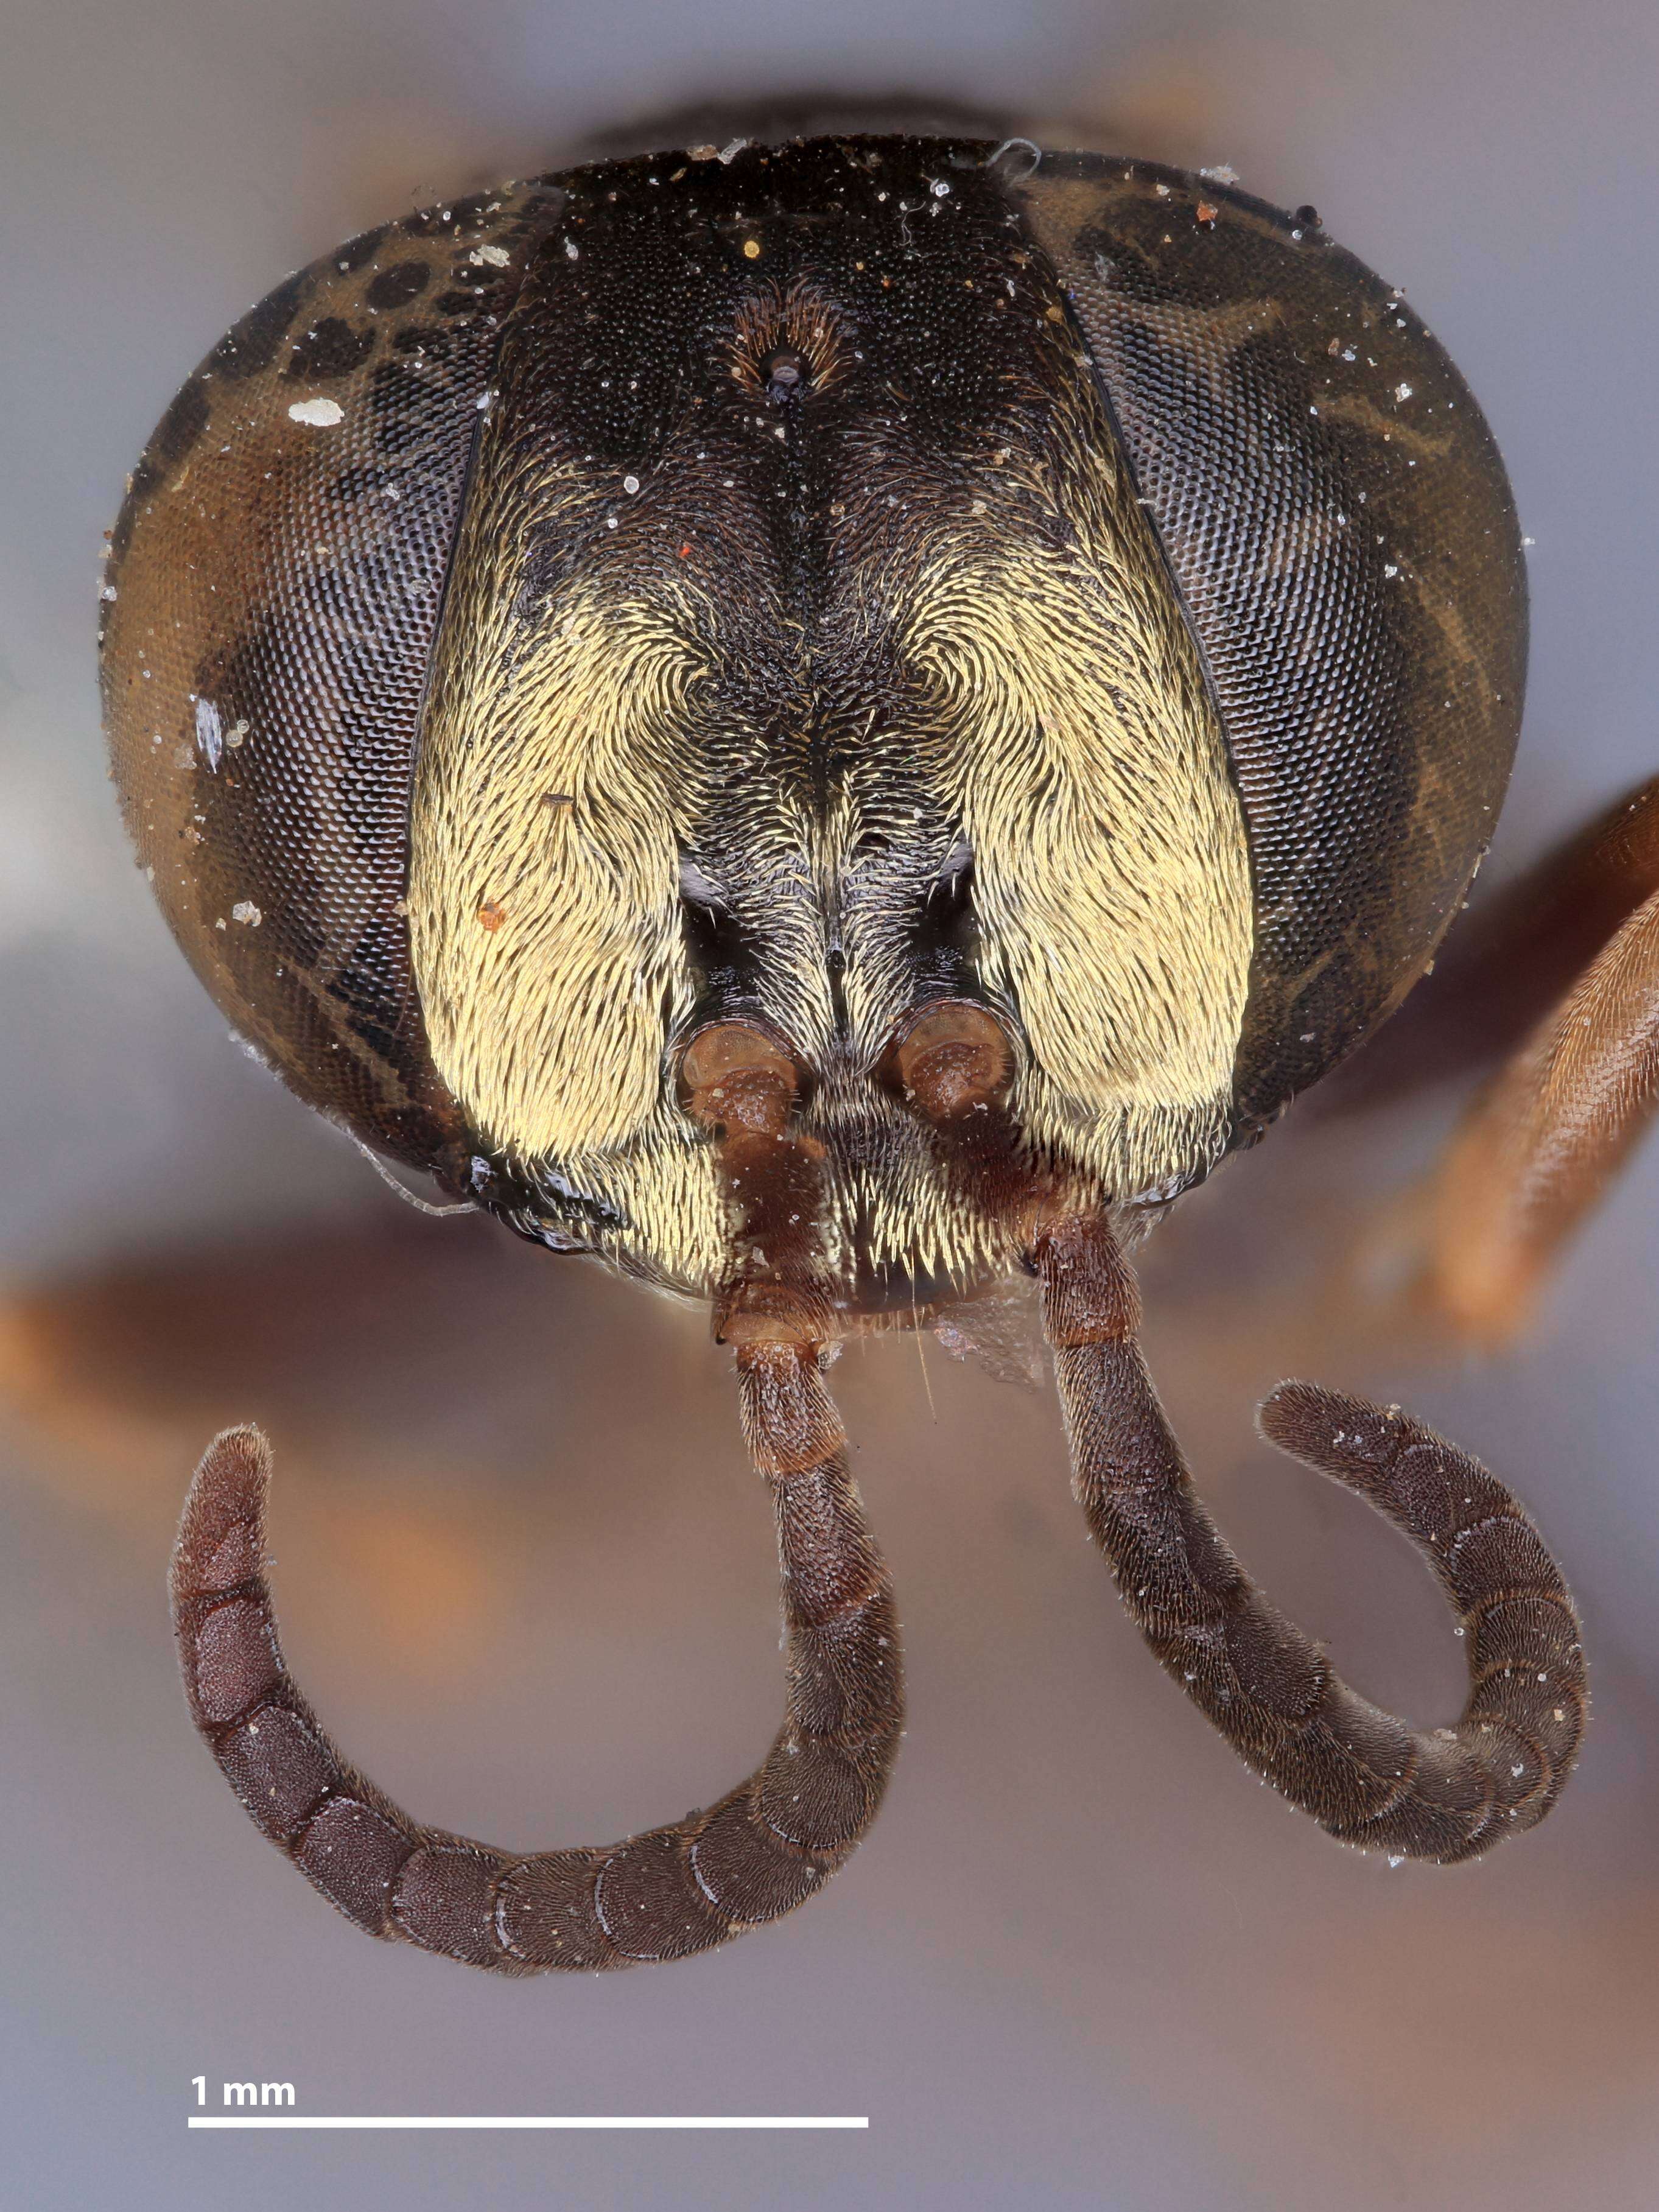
(530, 2120)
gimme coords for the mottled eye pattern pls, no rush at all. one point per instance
(278, 574)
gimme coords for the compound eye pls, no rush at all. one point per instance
(951, 1060)
(734, 1074)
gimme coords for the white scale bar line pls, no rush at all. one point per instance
(491, 2120)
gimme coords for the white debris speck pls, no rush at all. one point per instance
(210, 733)
(1390, 568)
(484, 401)
(610, 522)
(941, 190)
(1402, 392)
(244, 910)
(494, 256)
(1525, 541)
(1223, 173)
(1397, 1858)
(109, 592)
(571, 249)
(236, 733)
(321, 414)
(631, 484)
(730, 152)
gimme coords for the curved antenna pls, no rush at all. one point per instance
(1364, 1776)
(763, 1849)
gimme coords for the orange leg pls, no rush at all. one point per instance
(1504, 967)
(1541, 1144)
(1562, 973)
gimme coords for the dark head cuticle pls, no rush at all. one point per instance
(921, 299)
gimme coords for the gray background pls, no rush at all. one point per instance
(1083, 1960)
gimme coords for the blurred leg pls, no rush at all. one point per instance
(1541, 1144)
(1562, 973)
(1504, 967)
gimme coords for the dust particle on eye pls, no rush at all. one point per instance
(321, 414)
(209, 734)
(245, 911)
